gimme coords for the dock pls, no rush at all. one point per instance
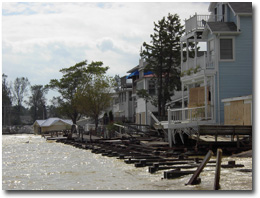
(153, 152)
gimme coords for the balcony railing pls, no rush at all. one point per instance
(198, 22)
(200, 63)
(187, 115)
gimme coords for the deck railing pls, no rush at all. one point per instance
(189, 114)
(199, 21)
(202, 62)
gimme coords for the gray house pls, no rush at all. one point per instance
(222, 69)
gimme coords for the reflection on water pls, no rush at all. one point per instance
(31, 163)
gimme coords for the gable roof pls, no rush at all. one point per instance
(39, 122)
(241, 7)
(51, 121)
(222, 27)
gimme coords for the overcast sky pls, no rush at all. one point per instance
(38, 39)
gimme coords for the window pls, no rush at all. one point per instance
(223, 12)
(226, 49)
(152, 90)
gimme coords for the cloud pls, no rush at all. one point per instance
(105, 45)
(38, 39)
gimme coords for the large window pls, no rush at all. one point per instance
(226, 49)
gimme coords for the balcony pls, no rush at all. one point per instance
(193, 65)
(198, 22)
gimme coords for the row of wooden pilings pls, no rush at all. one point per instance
(155, 159)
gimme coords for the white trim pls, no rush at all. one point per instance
(232, 9)
(238, 23)
(248, 101)
(237, 98)
(227, 104)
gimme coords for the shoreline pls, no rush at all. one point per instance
(18, 133)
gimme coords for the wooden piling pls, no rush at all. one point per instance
(194, 178)
(218, 167)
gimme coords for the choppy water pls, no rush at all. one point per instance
(44, 165)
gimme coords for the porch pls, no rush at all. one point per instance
(189, 115)
(195, 65)
(198, 111)
(198, 22)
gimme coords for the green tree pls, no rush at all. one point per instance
(37, 102)
(94, 95)
(67, 86)
(163, 58)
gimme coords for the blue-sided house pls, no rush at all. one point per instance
(220, 66)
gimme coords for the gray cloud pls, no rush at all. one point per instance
(105, 45)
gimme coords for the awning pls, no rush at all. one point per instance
(135, 73)
(148, 73)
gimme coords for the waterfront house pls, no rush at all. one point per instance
(51, 124)
(142, 79)
(221, 68)
(125, 110)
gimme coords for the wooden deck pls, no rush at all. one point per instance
(216, 135)
(230, 137)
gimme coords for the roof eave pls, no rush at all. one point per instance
(227, 32)
(244, 14)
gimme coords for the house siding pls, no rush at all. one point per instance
(230, 16)
(236, 76)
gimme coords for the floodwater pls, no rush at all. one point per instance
(30, 162)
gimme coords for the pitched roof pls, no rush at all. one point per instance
(39, 122)
(237, 7)
(241, 7)
(222, 27)
(52, 121)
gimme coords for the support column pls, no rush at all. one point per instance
(181, 55)
(206, 98)
(182, 101)
(188, 92)
(212, 95)
(170, 137)
(195, 58)
(187, 50)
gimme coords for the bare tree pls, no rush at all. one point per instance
(19, 90)
(37, 102)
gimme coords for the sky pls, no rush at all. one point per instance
(39, 39)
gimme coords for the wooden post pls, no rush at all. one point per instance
(218, 166)
(238, 141)
(194, 178)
